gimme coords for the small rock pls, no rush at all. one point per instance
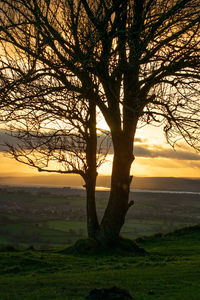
(113, 293)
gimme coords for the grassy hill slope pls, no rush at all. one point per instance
(170, 271)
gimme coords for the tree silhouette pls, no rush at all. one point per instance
(136, 60)
(59, 138)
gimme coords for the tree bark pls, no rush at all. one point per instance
(91, 173)
(92, 220)
(118, 204)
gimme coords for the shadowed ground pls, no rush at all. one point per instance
(169, 271)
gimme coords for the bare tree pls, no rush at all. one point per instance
(60, 137)
(136, 60)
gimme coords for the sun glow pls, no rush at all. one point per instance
(149, 139)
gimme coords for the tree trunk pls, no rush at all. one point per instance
(91, 173)
(118, 204)
(92, 220)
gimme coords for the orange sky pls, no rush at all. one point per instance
(154, 157)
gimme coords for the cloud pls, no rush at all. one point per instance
(160, 163)
(193, 164)
(5, 138)
(157, 151)
(141, 150)
(140, 140)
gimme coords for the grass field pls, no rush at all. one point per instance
(170, 271)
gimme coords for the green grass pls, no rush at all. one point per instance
(45, 199)
(171, 271)
(31, 233)
(67, 225)
(136, 228)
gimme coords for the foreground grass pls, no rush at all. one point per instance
(170, 271)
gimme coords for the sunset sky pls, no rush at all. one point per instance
(154, 158)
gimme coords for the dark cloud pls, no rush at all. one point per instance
(5, 138)
(145, 151)
(140, 149)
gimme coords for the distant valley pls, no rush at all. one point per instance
(144, 183)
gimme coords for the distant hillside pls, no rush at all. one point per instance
(159, 183)
(167, 183)
(147, 183)
(54, 180)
